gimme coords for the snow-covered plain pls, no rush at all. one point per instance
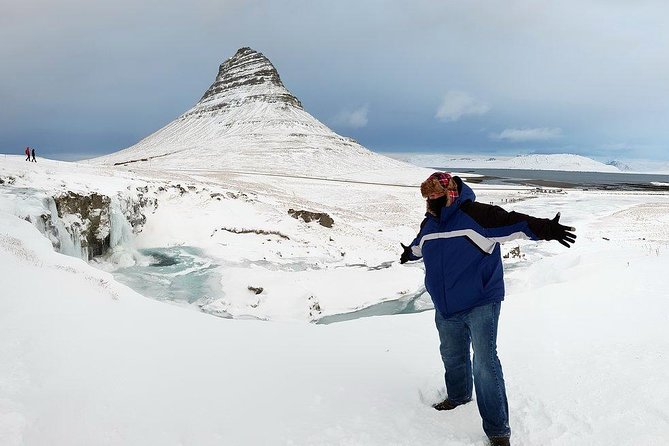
(558, 161)
(86, 360)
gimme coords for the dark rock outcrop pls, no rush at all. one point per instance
(321, 217)
(246, 69)
(92, 223)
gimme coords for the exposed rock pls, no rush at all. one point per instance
(246, 68)
(252, 231)
(88, 225)
(135, 209)
(237, 195)
(92, 219)
(256, 290)
(321, 217)
(620, 165)
(314, 307)
(514, 253)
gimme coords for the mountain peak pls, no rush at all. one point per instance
(246, 76)
(248, 121)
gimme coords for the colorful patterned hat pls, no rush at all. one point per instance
(437, 183)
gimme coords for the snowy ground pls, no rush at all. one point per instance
(86, 360)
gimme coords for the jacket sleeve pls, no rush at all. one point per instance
(415, 252)
(503, 226)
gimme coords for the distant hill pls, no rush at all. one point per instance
(620, 165)
(566, 162)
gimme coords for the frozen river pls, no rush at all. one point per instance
(181, 274)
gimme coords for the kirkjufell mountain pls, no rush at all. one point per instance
(248, 121)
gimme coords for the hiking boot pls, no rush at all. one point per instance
(447, 405)
(499, 441)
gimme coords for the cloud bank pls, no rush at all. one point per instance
(354, 119)
(523, 135)
(98, 76)
(458, 104)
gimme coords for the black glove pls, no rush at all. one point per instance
(404, 258)
(561, 233)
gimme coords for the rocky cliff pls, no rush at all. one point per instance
(238, 77)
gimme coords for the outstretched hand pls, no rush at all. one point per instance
(404, 258)
(561, 233)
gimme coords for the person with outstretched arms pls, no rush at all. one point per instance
(459, 243)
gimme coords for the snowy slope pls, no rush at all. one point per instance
(582, 341)
(248, 121)
(564, 162)
(242, 225)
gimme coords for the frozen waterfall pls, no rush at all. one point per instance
(120, 230)
(66, 241)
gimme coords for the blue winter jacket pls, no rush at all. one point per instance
(461, 250)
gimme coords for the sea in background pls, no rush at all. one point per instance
(567, 179)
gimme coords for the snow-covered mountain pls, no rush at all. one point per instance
(619, 165)
(248, 121)
(565, 162)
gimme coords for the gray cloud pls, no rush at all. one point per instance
(457, 104)
(355, 119)
(522, 135)
(98, 76)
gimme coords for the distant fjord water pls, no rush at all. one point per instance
(567, 179)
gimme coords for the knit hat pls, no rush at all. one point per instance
(437, 183)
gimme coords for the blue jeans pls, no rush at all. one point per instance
(478, 327)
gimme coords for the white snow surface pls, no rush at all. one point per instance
(241, 222)
(85, 360)
(564, 162)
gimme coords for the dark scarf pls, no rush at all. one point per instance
(435, 206)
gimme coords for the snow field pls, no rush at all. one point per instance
(85, 360)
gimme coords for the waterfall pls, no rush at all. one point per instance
(91, 225)
(120, 230)
(66, 242)
(122, 252)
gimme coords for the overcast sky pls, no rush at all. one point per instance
(81, 77)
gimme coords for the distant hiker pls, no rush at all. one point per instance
(459, 244)
(34, 155)
(27, 153)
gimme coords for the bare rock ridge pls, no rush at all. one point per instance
(245, 69)
(247, 121)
